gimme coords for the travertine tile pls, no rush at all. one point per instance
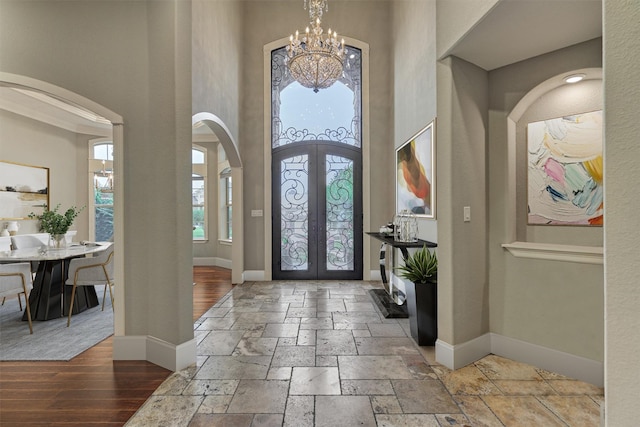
(367, 387)
(359, 306)
(315, 381)
(255, 347)
(575, 388)
(372, 368)
(356, 317)
(234, 368)
(574, 410)
(469, 380)
(215, 404)
(300, 411)
(226, 420)
(220, 343)
(326, 360)
(166, 411)
(522, 410)
(281, 330)
(279, 373)
(259, 397)
(294, 356)
(386, 330)
(332, 411)
(211, 387)
(385, 405)
(315, 323)
(301, 312)
(524, 387)
(477, 411)
(384, 346)
(336, 343)
(306, 337)
(424, 397)
(216, 312)
(407, 420)
(267, 420)
(453, 420)
(499, 368)
(217, 323)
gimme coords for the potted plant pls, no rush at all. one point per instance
(421, 269)
(57, 224)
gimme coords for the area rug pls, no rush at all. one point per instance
(51, 339)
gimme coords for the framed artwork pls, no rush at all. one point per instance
(565, 171)
(23, 189)
(416, 174)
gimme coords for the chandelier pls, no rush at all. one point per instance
(315, 60)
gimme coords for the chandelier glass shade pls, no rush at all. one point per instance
(315, 59)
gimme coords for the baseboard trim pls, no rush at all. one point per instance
(213, 261)
(460, 355)
(375, 276)
(570, 365)
(154, 350)
(577, 367)
(254, 275)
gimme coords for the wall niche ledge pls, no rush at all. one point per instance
(555, 252)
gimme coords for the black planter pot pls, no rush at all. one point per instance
(422, 304)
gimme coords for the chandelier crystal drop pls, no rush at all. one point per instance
(315, 59)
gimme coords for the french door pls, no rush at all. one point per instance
(317, 211)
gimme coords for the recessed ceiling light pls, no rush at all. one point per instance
(574, 78)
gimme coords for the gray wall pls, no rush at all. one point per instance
(367, 21)
(622, 257)
(414, 85)
(554, 304)
(217, 54)
(134, 58)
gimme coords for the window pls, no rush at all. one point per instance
(101, 167)
(198, 192)
(226, 205)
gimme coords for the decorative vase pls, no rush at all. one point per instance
(57, 241)
(422, 305)
(12, 227)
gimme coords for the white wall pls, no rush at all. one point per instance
(622, 257)
(23, 140)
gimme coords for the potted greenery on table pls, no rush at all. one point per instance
(421, 269)
(57, 224)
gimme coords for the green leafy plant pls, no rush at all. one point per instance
(56, 223)
(420, 267)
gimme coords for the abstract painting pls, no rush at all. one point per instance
(415, 174)
(23, 189)
(565, 170)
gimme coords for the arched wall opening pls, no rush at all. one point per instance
(230, 147)
(68, 97)
(523, 242)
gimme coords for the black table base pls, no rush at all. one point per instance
(48, 300)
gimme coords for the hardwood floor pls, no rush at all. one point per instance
(92, 389)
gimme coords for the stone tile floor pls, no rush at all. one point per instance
(319, 354)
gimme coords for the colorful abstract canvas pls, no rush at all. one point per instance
(565, 170)
(415, 174)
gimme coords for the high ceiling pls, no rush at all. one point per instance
(515, 30)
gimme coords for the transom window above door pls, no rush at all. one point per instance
(331, 114)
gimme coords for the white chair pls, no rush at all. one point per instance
(15, 279)
(94, 271)
(27, 241)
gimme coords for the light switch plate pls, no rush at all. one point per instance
(256, 212)
(467, 213)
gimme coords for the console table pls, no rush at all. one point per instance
(386, 300)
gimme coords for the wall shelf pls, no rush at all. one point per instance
(554, 252)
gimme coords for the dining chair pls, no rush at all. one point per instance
(94, 271)
(25, 242)
(15, 279)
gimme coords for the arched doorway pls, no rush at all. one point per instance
(223, 135)
(66, 97)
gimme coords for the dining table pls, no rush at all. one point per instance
(50, 298)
